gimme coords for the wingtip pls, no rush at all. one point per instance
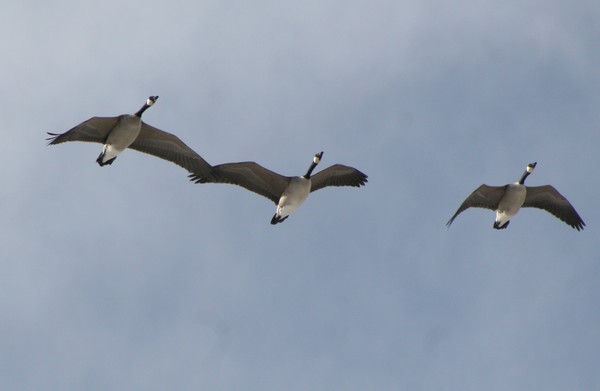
(52, 137)
(363, 179)
(197, 178)
(213, 176)
(449, 223)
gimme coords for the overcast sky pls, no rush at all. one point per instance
(129, 277)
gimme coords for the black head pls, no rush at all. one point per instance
(318, 157)
(314, 163)
(528, 170)
(149, 102)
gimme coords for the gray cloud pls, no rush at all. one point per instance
(129, 277)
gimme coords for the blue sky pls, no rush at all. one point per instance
(131, 277)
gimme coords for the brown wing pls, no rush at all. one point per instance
(251, 176)
(484, 196)
(337, 175)
(169, 147)
(94, 130)
(549, 199)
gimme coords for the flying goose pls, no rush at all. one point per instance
(288, 193)
(507, 200)
(129, 131)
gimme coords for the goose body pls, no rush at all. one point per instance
(509, 199)
(122, 135)
(288, 193)
(129, 131)
(293, 196)
(510, 203)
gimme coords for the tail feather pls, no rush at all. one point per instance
(497, 225)
(278, 219)
(101, 163)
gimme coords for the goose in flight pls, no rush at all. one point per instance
(508, 199)
(288, 193)
(129, 131)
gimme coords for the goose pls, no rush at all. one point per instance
(507, 200)
(288, 193)
(129, 131)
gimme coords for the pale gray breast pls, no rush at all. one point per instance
(513, 198)
(297, 190)
(125, 131)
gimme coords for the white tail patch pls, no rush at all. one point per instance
(294, 195)
(109, 152)
(502, 217)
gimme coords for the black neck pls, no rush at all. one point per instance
(141, 111)
(310, 170)
(525, 175)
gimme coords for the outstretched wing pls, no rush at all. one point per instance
(93, 130)
(549, 199)
(251, 176)
(169, 147)
(337, 175)
(484, 196)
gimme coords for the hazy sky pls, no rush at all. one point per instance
(129, 277)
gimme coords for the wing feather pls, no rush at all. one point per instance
(94, 130)
(251, 176)
(337, 175)
(169, 147)
(549, 199)
(484, 196)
